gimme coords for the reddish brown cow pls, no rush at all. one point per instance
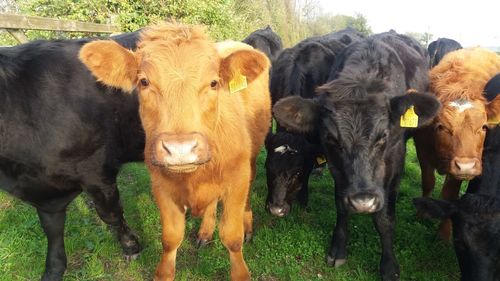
(453, 144)
(202, 133)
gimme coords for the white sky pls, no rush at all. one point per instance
(472, 23)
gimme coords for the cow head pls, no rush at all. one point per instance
(359, 135)
(290, 159)
(459, 81)
(476, 228)
(181, 77)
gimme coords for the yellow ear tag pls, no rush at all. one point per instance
(320, 160)
(409, 119)
(238, 83)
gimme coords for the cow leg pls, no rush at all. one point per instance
(450, 191)
(384, 221)
(428, 176)
(173, 221)
(107, 203)
(337, 254)
(53, 226)
(248, 220)
(303, 195)
(206, 231)
(231, 228)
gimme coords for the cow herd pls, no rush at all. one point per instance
(198, 112)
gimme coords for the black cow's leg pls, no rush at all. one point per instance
(384, 221)
(107, 203)
(303, 196)
(338, 248)
(55, 262)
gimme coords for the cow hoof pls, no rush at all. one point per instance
(53, 276)
(248, 237)
(202, 242)
(133, 257)
(391, 277)
(335, 262)
(130, 244)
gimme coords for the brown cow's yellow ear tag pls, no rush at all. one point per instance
(409, 119)
(320, 160)
(238, 83)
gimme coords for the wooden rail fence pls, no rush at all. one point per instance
(14, 24)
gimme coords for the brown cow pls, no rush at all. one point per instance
(453, 143)
(202, 134)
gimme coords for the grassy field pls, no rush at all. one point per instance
(291, 248)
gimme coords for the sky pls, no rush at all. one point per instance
(471, 23)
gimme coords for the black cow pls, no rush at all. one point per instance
(297, 72)
(266, 40)
(356, 117)
(437, 49)
(476, 216)
(62, 133)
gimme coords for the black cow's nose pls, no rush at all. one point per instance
(278, 210)
(364, 202)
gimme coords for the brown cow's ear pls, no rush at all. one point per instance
(297, 114)
(248, 63)
(424, 106)
(493, 111)
(110, 63)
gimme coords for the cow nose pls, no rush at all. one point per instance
(180, 153)
(364, 202)
(465, 166)
(279, 210)
(181, 150)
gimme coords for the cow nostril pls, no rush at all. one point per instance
(165, 147)
(364, 202)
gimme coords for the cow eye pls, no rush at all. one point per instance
(484, 128)
(439, 127)
(213, 84)
(144, 82)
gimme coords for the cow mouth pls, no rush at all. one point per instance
(182, 169)
(464, 177)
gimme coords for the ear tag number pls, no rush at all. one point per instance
(409, 119)
(238, 83)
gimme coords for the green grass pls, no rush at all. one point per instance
(291, 248)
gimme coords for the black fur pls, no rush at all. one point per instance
(62, 133)
(437, 49)
(297, 72)
(357, 121)
(266, 40)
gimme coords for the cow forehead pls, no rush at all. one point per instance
(458, 113)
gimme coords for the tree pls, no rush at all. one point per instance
(423, 38)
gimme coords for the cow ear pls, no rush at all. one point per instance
(493, 111)
(110, 63)
(432, 208)
(247, 63)
(297, 114)
(425, 106)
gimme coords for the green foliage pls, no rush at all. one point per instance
(293, 20)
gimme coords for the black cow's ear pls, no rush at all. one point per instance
(297, 114)
(425, 107)
(432, 208)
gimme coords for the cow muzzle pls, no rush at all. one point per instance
(180, 153)
(279, 210)
(364, 202)
(464, 168)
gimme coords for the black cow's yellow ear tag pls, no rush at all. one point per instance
(320, 160)
(238, 83)
(409, 119)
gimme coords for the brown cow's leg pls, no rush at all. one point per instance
(451, 189)
(173, 223)
(231, 226)
(248, 215)
(206, 231)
